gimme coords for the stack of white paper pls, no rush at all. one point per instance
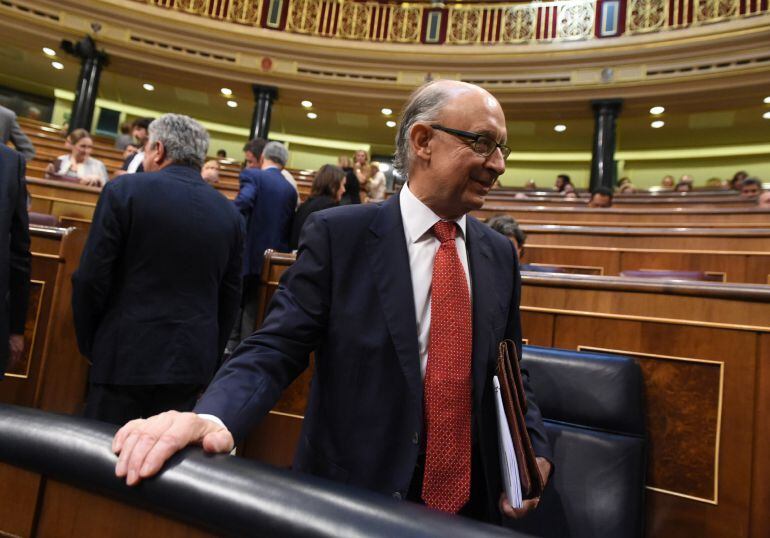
(508, 463)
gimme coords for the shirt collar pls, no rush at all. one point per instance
(418, 218)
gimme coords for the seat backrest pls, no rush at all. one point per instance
(592, 405)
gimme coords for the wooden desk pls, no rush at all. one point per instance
(53, 374)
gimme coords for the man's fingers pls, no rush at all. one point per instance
(121, 469)
(220, 441)
(145, 445)
(517, 513)
(122, 434)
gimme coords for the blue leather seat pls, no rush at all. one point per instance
(593, 409)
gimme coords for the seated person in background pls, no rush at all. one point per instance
(570, 195)
(714, 183)
(79, 166)
(129, 150)
(751, 187)
(763, 200)
(686, 178)
(683, 186)
(530, 185)
(375, 187)
(352, 186)
(562, 183)
(737, 181)
(221, 154)
(210, 171)
(601, 197)
(667, 182)
(135, 163)
(625, 185)
(124, 138)
(328, 188)
(507, 225)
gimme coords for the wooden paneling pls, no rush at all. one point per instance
(19, 495)
(739, 267)
(53, 376)
(707, 391)
(68, 512)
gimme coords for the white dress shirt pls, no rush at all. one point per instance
(422, 246)
(138, 159)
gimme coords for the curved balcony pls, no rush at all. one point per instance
(472, 23)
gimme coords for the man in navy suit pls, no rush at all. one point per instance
(157, 289)
(14, 253)
(360, 296)
(267, 202)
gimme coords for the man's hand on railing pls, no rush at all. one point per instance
(144, 445)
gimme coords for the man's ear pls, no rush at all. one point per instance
(160, 153)
(420, 140)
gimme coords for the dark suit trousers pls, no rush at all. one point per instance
(118, 404)
(245, 321)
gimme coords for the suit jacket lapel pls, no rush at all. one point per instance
(482, 282)
(389, 258)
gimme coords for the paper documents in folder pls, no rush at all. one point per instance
(508, 464)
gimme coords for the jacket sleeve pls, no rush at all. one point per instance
(230, 288)
(534, 418)
(249, 384)
(92, 282)
(19, 257)
(21, 142)
(247, 194)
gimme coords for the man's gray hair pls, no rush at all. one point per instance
(276, 152)
(186, 141)
(425, 104)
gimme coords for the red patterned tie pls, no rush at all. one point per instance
(447, 479)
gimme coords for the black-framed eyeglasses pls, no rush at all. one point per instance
(480, 143)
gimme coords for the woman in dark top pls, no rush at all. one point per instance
(352, 186)
(326, 192)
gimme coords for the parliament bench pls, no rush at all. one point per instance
(57, 478)
(716, 239)
(678, 217)
(726, 266)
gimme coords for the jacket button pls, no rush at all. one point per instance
(416, 438)
(397, 495)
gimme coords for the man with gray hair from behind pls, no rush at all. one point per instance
(277, 153)
(158, 285)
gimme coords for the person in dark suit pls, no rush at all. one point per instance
(10, 131)
(157, 289)
(15, 256)
(402, 397)
(267, 203)
(328, 188)
(134, 163)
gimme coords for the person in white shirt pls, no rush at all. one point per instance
(134, 163)
(375, 187)
(79, 165)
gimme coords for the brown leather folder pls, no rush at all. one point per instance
(515, 405)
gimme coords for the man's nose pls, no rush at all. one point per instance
(496, 162)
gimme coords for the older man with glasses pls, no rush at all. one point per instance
(404, 304)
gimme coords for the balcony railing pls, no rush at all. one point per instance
(464, 24)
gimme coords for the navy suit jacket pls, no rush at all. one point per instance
(158, 286)
(267, 201)
(349, 298)
(14, 249)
